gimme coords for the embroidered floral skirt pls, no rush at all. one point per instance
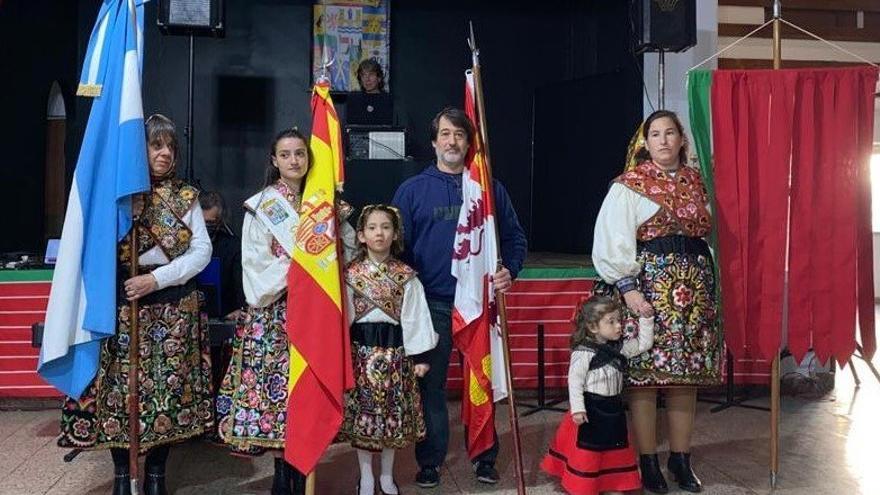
(384, 408)
(175, 380)
(252, 403)
(678, 280)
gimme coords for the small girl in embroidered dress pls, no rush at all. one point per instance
(390, 334)
(591, 452)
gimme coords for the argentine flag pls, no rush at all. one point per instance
(112, 166)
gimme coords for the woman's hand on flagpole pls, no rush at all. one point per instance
(235, 315)
(140, 286)
(502, 280)
(579, 418)
(137, 205)
(421, 369)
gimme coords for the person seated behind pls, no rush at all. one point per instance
(371, 77)
(227, 247)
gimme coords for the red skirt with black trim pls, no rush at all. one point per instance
(583, 471)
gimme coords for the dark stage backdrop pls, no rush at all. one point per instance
(580, 146)
(255, 81)
(38, 45)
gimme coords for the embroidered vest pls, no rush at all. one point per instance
(161, 223)
(378, 286)
(682, 199)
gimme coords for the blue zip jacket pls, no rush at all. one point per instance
(429, 204)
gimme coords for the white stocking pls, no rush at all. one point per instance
(365, 462)
(386, 479)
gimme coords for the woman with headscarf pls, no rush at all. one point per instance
(174, 368)
(649, 249)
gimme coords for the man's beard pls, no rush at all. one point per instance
(452, 157)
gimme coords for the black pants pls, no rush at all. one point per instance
(431, 452)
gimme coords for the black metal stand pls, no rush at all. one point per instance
(542, 404)
(70, 456)
(730, 399)
(860, 353)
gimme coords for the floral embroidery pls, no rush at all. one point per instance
(687, 340)
(378, 286)
(384, 409)
(252, 403)
(682, 199)
(161, 223)
(173, 352)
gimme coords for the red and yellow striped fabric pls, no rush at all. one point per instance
(320, 356)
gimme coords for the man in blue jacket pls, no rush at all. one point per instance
(429, 204)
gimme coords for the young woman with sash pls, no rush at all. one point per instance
(175, 389)
(252, 404)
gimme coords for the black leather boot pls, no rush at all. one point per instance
(680, 466)
(652, 477)
(154, 483)
(281, 480)
(121, 473)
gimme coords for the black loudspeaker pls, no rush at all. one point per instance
(192, 17)
(668, 25)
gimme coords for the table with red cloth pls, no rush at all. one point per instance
(24, 295)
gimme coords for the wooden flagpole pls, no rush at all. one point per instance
(134, 416)
(134, 402)
(310, 483)
(774, 375)
(499, 296)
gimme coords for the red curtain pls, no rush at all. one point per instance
(806, 134)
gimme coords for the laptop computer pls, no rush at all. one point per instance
(369, 109)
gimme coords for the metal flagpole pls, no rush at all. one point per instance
(661, 79)
(134, 416)
(774, 378)
(499, 296)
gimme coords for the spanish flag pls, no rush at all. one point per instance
(320, 352)
(475, 329)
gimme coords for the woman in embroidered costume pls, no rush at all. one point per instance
(252, 403)
(591, 451)
(175, 391)
(649, 248)
(391, 333)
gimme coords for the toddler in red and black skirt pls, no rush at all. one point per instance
(591, 452)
